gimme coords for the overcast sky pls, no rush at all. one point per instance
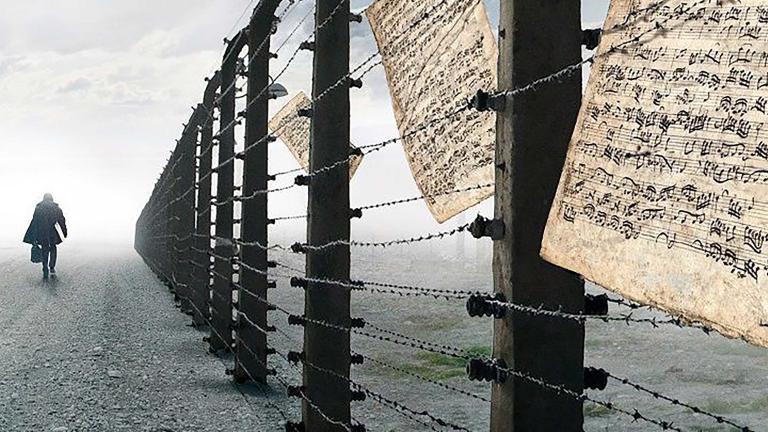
(93, 94)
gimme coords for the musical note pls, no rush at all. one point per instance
(294, 132)
(672, 148)
(435, 57)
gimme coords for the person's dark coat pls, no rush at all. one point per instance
(42, 229)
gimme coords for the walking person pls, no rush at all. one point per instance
(42, 232)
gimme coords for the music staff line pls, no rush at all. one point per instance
(658, 193)
(655, 163)
(743, 267)
(722, 227)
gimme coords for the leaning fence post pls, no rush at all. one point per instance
(328, 221)
(251, 342)
(157, 225)
(533, 131)
(202, 240)
(174, 231)
(168, 226)
(224, 247)
(165, 224)
(186, 210)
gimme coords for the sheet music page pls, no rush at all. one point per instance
(436, 56)
(664, 193)
(294, 132)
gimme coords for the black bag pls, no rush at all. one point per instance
(37, 254)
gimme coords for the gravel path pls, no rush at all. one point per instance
(102, 348)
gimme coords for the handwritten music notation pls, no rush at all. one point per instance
(436, 55)
(294, 132)
(669, 161)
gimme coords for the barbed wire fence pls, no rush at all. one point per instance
(221, 268)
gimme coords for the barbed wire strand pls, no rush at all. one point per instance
(718, 418)
(404, 200)
(423, 378)
(460, 353)
(556, 76)
(312, 404)
(213, 328)
(438, 235)
(209, 111)
(560, 389)
(393, 404)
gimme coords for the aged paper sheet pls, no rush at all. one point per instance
(294, 131)
(436, 55)
(664, 193)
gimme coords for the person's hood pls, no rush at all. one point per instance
(47, 204)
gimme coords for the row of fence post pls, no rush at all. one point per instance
(173, 233)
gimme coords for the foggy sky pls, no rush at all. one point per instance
(93, 95)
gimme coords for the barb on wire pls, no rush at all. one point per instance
(256, 193)
(576, 67)
(350, 427)
(247, 372)
(371, 147)
(560, 389)
(443, 349)
(347, 77)
(222, 257)
(393, 404)
(426, 196)
(175, 237)
(222, 277)
(382, 144)
(242, 15)
(320, 26)
(217, 99)
(309, 13)
(259, 298)
(401, 339)
(629, 304)
(412, 291)
(368, 149)
(213, 328)
(255, 244)
(253, 53)
(383, 288)
(298, 271)
(425, 379)
(718, 418)
(292, 171)
(258, 271)
(346, 426)
(299, 248)
(404, 200)
(284, 218)
(266, 88)
(627, 318)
